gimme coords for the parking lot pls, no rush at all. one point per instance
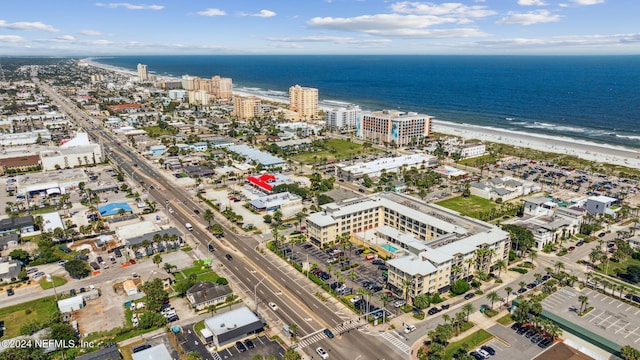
(368, 273)
(611, 318)
(507, 343)
(263, 346)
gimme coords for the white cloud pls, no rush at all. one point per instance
(65, 38)
(530, 18)
(89, 32)
(585, 41)
(532, 3)
(455, 9)
(131, 6)
(212, 12)
(27, 26)
(396, 25)
(329, 39)
(264, 14)
(11, 38)
(588, 2)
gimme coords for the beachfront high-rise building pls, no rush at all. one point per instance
(199, 97)
(304, 101)
(221, 88)
(343, 118)
(143, 75)
(189, 82)
(393, 127)
(246, 108)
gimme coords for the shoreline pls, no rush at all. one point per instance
(587, 150)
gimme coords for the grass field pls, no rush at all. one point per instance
(476, 339)
(336, 149)
(203, 272)
(16, 316)
(58, 281)
(467, 206)
(505, 320)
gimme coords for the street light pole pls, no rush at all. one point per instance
(53, 283)
(255, 293)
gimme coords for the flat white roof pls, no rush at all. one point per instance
(51, 221)
(228, 321)
(158, 352)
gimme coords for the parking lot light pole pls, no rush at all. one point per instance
(255, 293)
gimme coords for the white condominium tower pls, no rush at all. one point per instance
(143, 75)
(221, 88)
(343, 118)
(304, 101)
(393, 127)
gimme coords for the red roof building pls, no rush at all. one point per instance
(262, 182)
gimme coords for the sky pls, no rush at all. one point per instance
(168, 27)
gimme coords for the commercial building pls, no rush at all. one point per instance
(129, 287)
(221, 87)
(9, 269)
(601, 205)
(52, 182)
(20, 164)
(254, 155)
(505, 188)
(78, 151)
(393, 127)
(343, 118)
(304, 101)
(429, 246)
(21, 225)
(229, 327)
(373, 169)
(206, 293)
(71, 304)
(548, 221)
(265, 182)
(143, 75)
(158, 352)
(285, 202)
(245, 108)
(470, 150)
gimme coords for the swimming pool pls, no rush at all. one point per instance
(389, 248)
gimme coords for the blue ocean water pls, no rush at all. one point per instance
(593, 98)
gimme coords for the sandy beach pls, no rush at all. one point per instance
(582, 149)
(599, 153)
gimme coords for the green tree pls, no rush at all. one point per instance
(468, 308)
(155, 294)
(629, 353)
(583, 300)
(150, 320)
(422, 301)
(217, 230)
(493, 297)
(460, 287)
(62, 331)
(208, 217)
(157, 259)
(77, 269)
(20, 255)
(508, 290)
(291, 354)
(196, 356)
(521, 237)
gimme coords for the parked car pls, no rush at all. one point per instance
(249, 344)
(488, 349)
(229, 257)
(240, 346)
(409, 328)
(469, 296)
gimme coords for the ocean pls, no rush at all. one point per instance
(594, 98)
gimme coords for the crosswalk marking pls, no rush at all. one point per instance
(396, 342)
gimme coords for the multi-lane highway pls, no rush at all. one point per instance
(251, 270)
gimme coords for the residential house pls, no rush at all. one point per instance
(206, 293)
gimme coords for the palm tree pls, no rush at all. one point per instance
(407, 285)
(446, 318)
(500, 265)
(157, 259)
(508, 289)
(583, 299)
(208, 216)
(559, 265)
(522, 284)
(468, 308)
(493, 297)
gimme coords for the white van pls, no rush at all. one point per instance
(188, 226)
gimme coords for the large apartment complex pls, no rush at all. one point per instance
(245, 108)
(343, 118)
(143, 74)
(218, 87)
(304, 101)
(428, 246)
(393, 127)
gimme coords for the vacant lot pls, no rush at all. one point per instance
(16, 316)
(468, 206)
(200, 269)
(334, 149)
